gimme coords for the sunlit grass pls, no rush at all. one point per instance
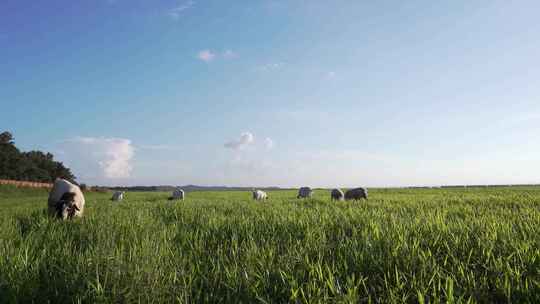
(431, 246)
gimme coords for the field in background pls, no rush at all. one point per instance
(25, 184)
(403, 245)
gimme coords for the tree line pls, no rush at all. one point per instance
(34, 166)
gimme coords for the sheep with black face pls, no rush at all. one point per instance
(118, 196)
(66, 200)
(337, 195)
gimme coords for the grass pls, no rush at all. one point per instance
(477, 245)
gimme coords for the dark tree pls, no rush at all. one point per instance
(33, 166)
(63, 172)
(11, 162)
(6, 138)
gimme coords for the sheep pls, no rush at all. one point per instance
(178, 194)
(356, 194)
(118, 196)
(259, 195)
(337, 195)
(66, 200)
(305, 192)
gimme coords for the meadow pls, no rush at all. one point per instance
(468, 245)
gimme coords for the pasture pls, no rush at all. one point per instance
(475, 245)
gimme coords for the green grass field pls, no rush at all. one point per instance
(416, 246)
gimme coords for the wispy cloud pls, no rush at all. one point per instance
(206, 55)
(159, 147)
(229, 54)
(268, 143)
(245, 140)
(250, 160)
(273, 66)
(176, 12)
(331, 75)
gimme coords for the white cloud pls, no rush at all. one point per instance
(99, 157)
(245, 140)
(331, 75)
(209, 55)
(229, 54)
(248, 139)
(268, 143)
(206, 55)
(251, 161)
(177, 11)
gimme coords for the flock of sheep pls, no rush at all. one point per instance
(66, 200)
(335, 194)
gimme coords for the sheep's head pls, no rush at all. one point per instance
(66, 207)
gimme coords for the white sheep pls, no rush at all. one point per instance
(259, 195)
(118, 196)
(178, 194)
(66, 200)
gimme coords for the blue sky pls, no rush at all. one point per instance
(283, 93)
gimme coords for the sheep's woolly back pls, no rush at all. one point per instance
(305, 192)
(356, 193)
(60, 187)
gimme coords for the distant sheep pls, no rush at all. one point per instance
(178, 194)
(118, 196)
(356, 194)
(259, 195)
(66, 200)
(337, 195)
(305, 192)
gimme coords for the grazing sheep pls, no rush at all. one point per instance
(356, 194)
(337, 195)
(66, 200)
(259, 195)
(305, 192)
(118, 196)
(178, 194)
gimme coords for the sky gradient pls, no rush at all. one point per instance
(276, 93)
